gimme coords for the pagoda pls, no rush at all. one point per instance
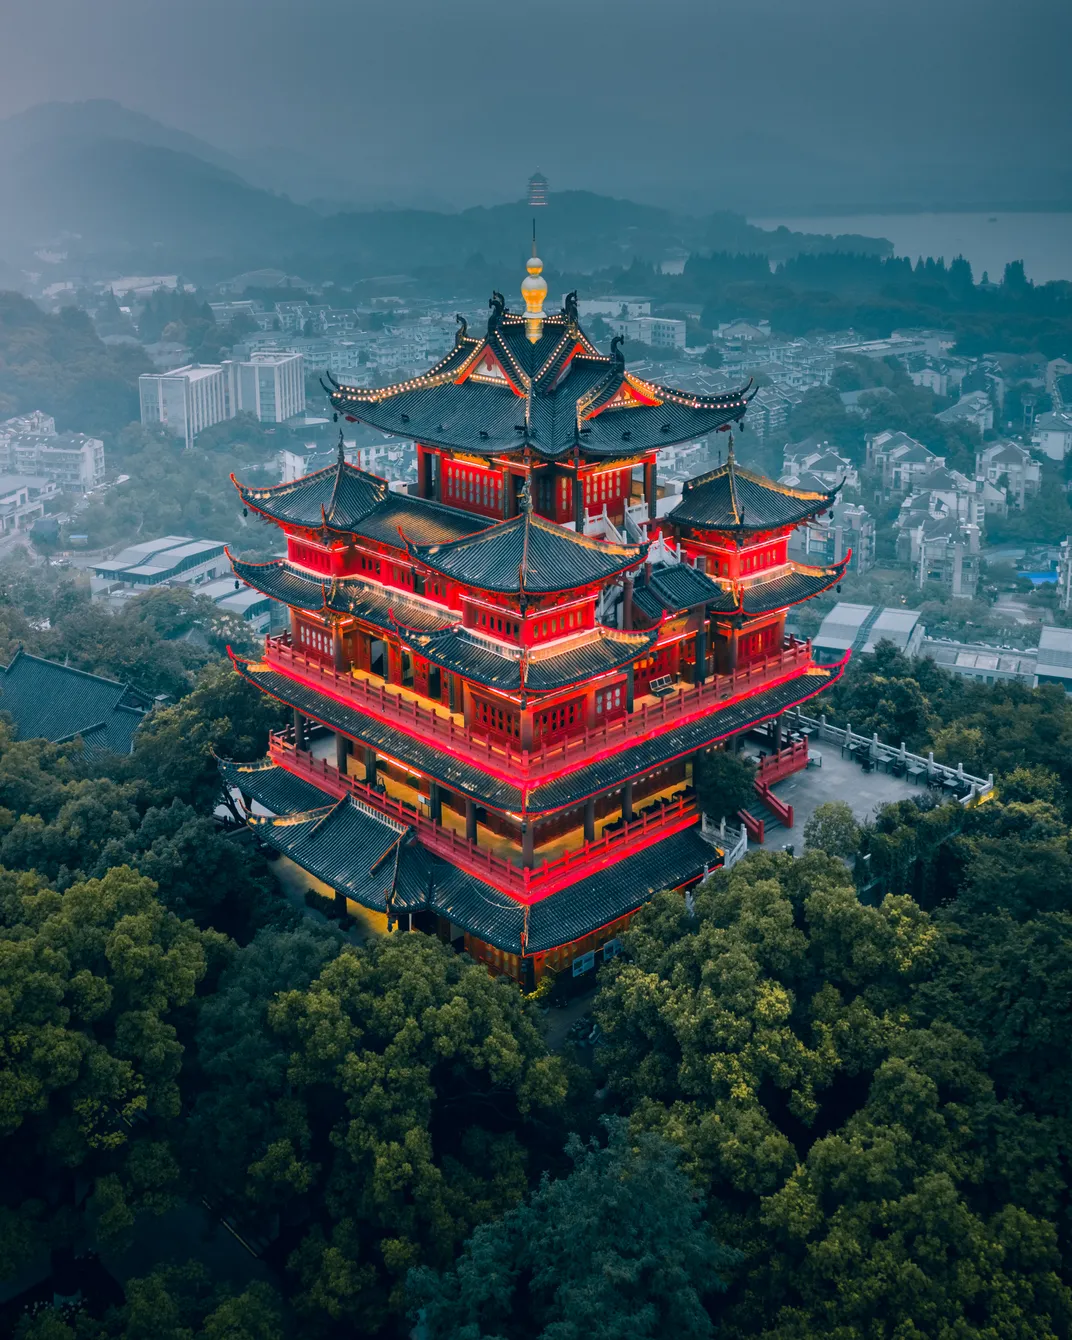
(500, 680)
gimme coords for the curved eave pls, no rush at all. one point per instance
(791, 589)
(278, 581)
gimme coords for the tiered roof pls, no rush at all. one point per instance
(373, 860)
(346, 500)
(528, 554)
(677, 588)
(559, 792)
(500, 392)
(378, 605)
(732, 498)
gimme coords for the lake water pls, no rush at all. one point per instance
(1042, 241)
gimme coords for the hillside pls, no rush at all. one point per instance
(117, 191)
(58, 364)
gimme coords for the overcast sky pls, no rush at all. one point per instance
(467, 97)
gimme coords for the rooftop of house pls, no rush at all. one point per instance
(46, 700)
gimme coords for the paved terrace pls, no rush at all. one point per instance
(838, 779)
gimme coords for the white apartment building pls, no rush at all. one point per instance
(30, 445)
(269, 385)
(658, 331)
(186, 400)
(628, 308)
(1052, 434)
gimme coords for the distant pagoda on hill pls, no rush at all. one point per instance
(520, 661)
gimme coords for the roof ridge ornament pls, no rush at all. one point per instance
(463, 328)
(616, 355)
(497, 303)
(342, 449)
(570, 308)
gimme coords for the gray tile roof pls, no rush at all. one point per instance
(350, 501)
(553, 390)
(355, 851)
(733, 498)
(528, 553)
(375, 604)
(49, 701)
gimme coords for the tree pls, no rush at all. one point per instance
(239, 1059)
(224, 716)
(172, 1303)
(724, 783)
(832, 828)
(617, 1247)
(712, 356)
(94, 980)
(852, 1139)
(414, 1090)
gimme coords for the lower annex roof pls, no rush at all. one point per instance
(340, 844)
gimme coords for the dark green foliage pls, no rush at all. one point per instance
(412, 1089)
(618, 1247)
(724, 783)
(94, 979)
(837, 1108)
(173, 1303)
(60, 365)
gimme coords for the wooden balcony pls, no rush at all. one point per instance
(402, 708)
(524, 884)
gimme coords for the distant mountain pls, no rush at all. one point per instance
(101, 119)
(139, 204)
(114, 189)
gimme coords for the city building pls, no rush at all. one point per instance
(235, 597)
(901, 460)
(184, 401)
(820, 461)
(171, 559)
(270, 386)
(627, 308)
(1008, 466)
(511, 707)
(846, 529)
(746, 332)
(657, 331)
(981, 662)
(855, 628)
(1052, 434)
(22, 501)
(30, 445)
(975, 408)
(1054, 661)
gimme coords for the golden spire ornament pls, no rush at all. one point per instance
(534, 290)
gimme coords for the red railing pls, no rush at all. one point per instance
(501, 759)
(528, 885)
(777, 807)
(754, 826)
(774, 767)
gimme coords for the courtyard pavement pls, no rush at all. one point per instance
(838, 779)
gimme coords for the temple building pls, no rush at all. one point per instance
(500, 682)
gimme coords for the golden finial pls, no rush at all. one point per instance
(534, 290)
